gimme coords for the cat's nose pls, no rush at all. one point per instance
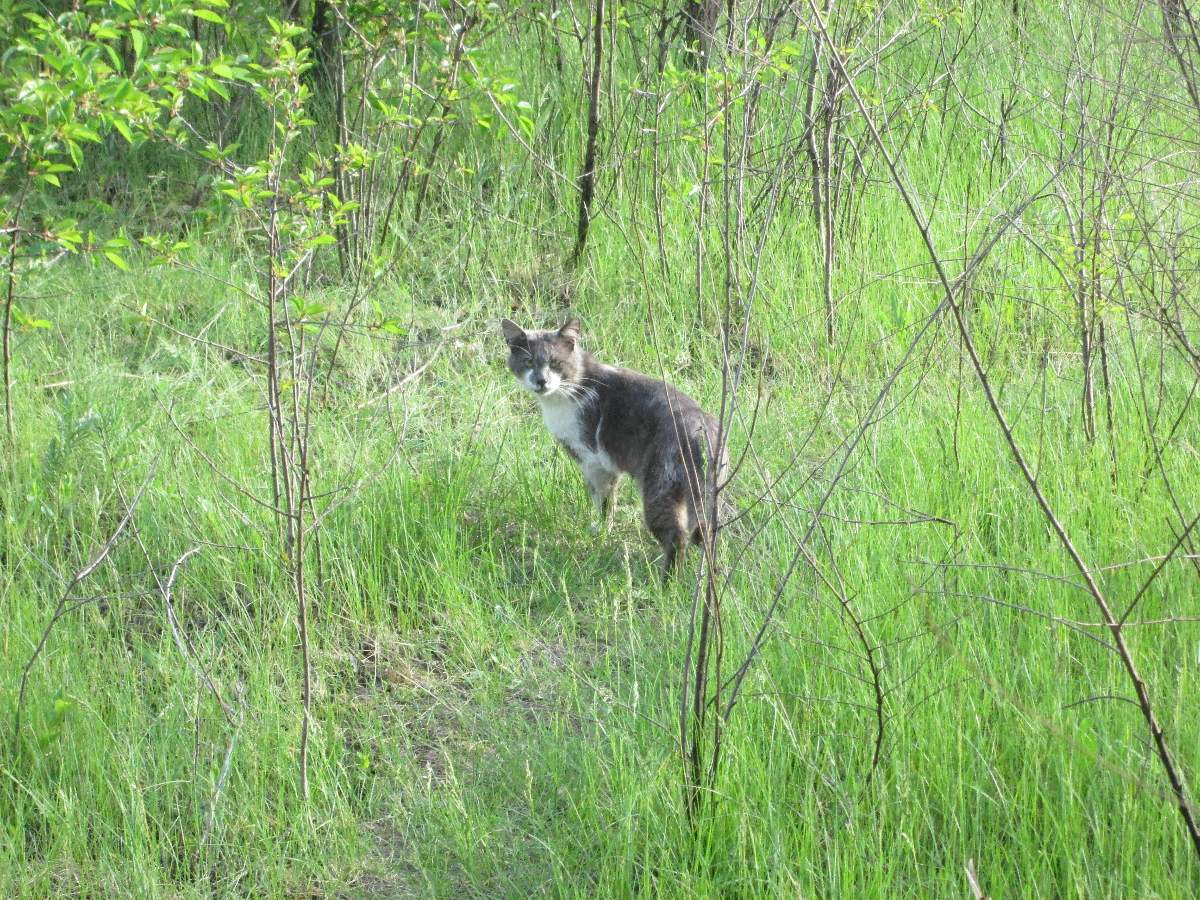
(539, 382)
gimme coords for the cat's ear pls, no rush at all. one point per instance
(514, 334)
(570, 332)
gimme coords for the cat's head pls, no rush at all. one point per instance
(544, 362)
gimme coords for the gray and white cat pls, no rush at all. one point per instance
(615, 421)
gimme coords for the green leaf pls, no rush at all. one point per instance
(87, 134)
(116, 260)
(208, 16)
(25, 321)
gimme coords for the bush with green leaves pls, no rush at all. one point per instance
(71, 84)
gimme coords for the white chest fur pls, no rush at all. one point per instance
(562, 419)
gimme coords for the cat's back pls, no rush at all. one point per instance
(646, 409)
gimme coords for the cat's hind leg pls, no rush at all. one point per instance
(669, 518)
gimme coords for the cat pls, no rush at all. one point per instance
(616, 421)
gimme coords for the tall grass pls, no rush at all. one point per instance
(496, 687)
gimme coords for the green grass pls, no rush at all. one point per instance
(496, 688)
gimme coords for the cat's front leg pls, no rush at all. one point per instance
(601, 482)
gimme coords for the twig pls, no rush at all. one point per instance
(587, 178)
(182, 642)
(973, 880)
(406, 380)
(79, 577)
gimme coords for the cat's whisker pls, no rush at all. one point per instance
(576, 400)
(572, 399)
(582, 398)
(578, 392)
(583, 388)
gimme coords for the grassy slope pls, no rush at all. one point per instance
(495, 687)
